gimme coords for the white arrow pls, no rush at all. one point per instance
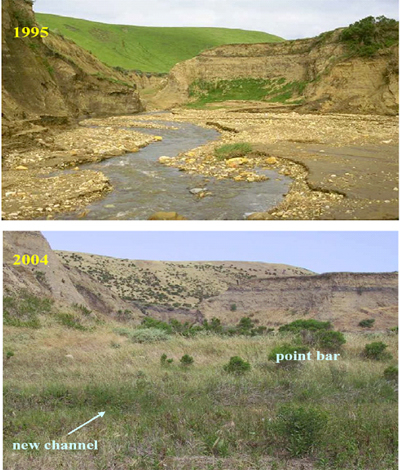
(100, 415)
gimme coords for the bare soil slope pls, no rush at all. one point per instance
(49, 80)
(332, 80)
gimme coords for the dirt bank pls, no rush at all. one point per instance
(343, 166)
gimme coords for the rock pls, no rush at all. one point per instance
(256, 216)
(234, 162)
(164, 159)
(157, 138)
(271, 160)
(70, 356)
(197, 190)
(76, 168)
(20, 167)
(190, 154)
(166, 216)
(109, 206)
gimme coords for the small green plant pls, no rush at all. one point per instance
(376, 351)
(115, 345)
(367, 323)
(330, 340)
(391, 373)
(237, 365)
(227, 151)
(9, 354)
(165, 360)
(233, 308)
(186, 360)
(300, 427)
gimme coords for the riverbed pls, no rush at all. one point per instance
(142, 186)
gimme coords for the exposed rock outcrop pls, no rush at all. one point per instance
(342, 298)
(336, 81)
(55, 77)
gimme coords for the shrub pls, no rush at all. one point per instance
(367, 323)
(312, 325)
(148, 335)
(156, 324)
(164, 360)
(237, 365)
(9, 354)
(330, 340)
(233, 308)
(391, 373)
(24, 309)
(186, 360)
(300, 427)
(376, 351)
(115, 345)
(287, 349)
(227, 151)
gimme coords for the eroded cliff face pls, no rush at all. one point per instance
(54, 76)
(334, 81)
(64, 285)
(272, 294)
(342, 298)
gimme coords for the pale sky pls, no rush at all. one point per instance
(318, 251)
(290, 19)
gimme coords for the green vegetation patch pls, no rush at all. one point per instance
(367, 36)
(150, 49)
(312, 325)
(276, 90)
(227, 151)
(24, 310)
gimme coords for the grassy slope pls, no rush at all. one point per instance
(149, 49)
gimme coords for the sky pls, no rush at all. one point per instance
(317, 251)
(290, 19)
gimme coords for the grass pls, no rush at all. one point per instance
(227, 151)
(155, 414)
(150, 49)
(270, 90)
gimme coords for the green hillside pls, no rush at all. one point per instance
(149, 49)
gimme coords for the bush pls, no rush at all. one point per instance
(148, 335)
(9, 354)
(367, 323)
(300, 427)
(186, 360)
(391, 373)
(227, 151)
(312, 325)
(330, 340)
(376, 351)
(367, 36)
(165, 361)
(237, 365)
(287, 349)
(233, 308)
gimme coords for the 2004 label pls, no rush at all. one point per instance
(33, 32)
(26, 259)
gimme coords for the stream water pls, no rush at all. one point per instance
(142, 186)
